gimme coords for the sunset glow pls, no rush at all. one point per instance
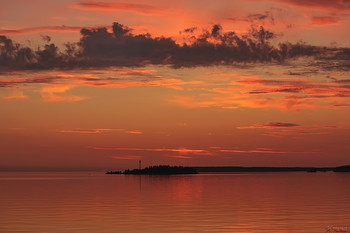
(99, 85)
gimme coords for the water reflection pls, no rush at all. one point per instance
(269, 202)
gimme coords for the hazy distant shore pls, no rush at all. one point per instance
(263, 169)
(345, 168)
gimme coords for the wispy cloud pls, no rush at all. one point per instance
(83, 131)
(134, 132)
(279, 129)
(177, 150)
(284, 133)
(180, 157)
(334, 5)
(99, 131)
(262, 18)
(271, 125)
(186, 153)
(324, 20)
(143, 9)
(16, 95)
(266, 151)
(287, 94)
(56, 93)
(29, 30)
(61, 82)
(127, 157)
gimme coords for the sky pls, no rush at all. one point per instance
(100, 85)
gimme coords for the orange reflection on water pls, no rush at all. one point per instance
(241, 202)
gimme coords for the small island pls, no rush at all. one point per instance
(158, 170)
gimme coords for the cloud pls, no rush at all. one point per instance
(82, 131)
(99, 131)
(287, 94)
(16, 82)
(272, 82)
(142, 9)
(184, 153)
(181, 157)
(55, 93)
(294, 133)
(233, 100)
(257, 17)
(341, 105)
(271, 125)
(177, 150)
(60, 82)
(338, 5)
(134, 132)
(330, 126)
(60, 86)
(267, 92)
(16, 95)
(279, 129)
(324, 20)
(306, 89)
(342, 81)
(127, 157)
(119, 47)
(30, 30)
(266, 151)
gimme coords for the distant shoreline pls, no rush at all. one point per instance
(263, 169)
(345, 168)
(168, 170)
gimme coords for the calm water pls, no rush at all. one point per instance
(240, 202)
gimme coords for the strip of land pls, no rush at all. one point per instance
(173, 170)
(263, 169)
(272, 169)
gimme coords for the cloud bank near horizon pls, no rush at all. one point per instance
(103, 47)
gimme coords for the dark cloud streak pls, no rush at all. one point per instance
(270, 125)
(122, 6)
(339, 5)
(29, 30)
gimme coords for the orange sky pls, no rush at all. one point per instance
(259, 112)
(317, 22)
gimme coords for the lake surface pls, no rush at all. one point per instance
(234, 202)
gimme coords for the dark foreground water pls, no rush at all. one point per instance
(240, 202)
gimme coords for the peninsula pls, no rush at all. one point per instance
(158, 170)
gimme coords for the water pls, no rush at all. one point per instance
(235, 202)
